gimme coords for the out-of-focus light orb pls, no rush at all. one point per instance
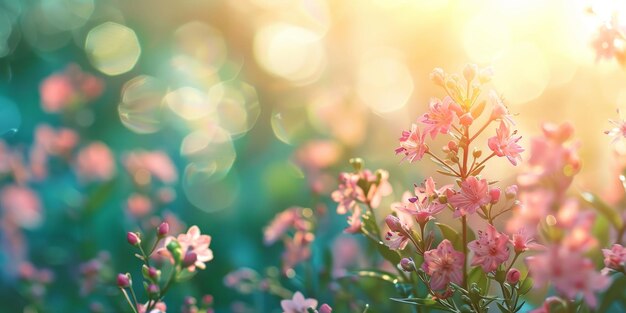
(522, 73)
(190, 103)
(210, 150)
(10, 117)
(485, 35)
(384, 82)
(207, 194)
(237, 106)
(40, 33)
(288, 125)
(141, 105)
(112, 48)
(291, 52)
(333, 113)
(201, 49)
(68, 14)
(6, 27)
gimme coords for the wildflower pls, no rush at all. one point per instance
(160, 307)
(499, 110)
(56, 142)
(513, 276)
(440, 116)
(298, 304)
(604, 41)
(569, 271)
(504, 144)
(444, 265)
(154, 163)
(522, 241)
(397, 236)
(474, 194)
(354, 221)
(297, 249)
(64, 90)
(348, 193)
(21, 206)
(279, 226)
(412, 144)
(379, 186)
(192, 241)
(490, 249)
(95, 162)
(614, 258)
(619, 129)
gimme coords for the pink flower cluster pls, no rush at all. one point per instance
(297, 246)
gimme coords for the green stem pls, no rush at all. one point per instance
(130, 303)
(464, 223)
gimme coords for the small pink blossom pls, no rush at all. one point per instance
(397, 237)
(138, 205)
(499, 110)
(522, 241)
(348, 193)
(614, 258)
(379, 186)
(325, 308)
(56, 142)
(505, 144)
(192, 241)
(297, 249)
(155, 163)
(513, 276)
(444, 265)
(619, 128)
(160, 307)
(279, 226)
(21, 206)
(95, 162)
(412, 144)
(354, 221)
(570, 272)
(298, 304)
(474, 194)
(63, 90)
(490, 249)
(440, 116)
(604, 41)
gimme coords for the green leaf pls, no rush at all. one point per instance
(613, 294)
(377, 274)
(525, 286)
(476, 275)
(427, 302)
(452, 235)
(610, 213)
(185, 275)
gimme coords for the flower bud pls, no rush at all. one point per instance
(469, 72)
(207, 299)
(174, 248)
(394, 223)
(325, 308)
(123, 280)
(437, 76)
(357, 164)
(407, 265)
(466, 119)
(453, 146)
(513, 276)
(133, 238)
(477, 153)
(153, 290)
(511, 192)
(494, 193)
(189, 259)
(163, 229)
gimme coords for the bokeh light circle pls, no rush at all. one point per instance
(211, 151)
(112, 48)
(207, 194)
(384, 82)
(237, 106)
(515, 79)
(189, 103)
(201, 49)
(141, 107)
(292, 52)
(68, 14)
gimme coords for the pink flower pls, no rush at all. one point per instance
(423, 210)
(354, 221)
(298, 304)
(297, 249)
(279, 226)
(604, 41)
(619, 129)
(59, 142)
(160, 307)
(615, 257)
(95, 162)
(138, 205)
(154, 163)
(379, 186)
(412, 144)
(194, 242)
(545, 307)
(474, 194)
(490, 249)
(325, 308)
(21, 206)
(504, 144)
(64, 90)
(440, 116)
(569, 271)
(522, 241)
(444, 265)
(513, 276)
(397, 237)
(348, 193)
(499, 110)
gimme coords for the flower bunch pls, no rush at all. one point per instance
(455, 273)
(186, 253)
(609, 41)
